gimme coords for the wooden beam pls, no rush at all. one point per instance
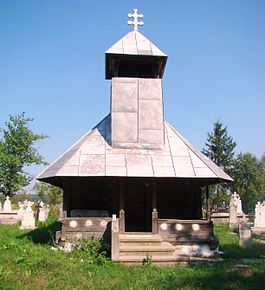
(208, 204)
(121, 207)
(154, 206)
(154, 196)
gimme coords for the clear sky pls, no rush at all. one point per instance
(52, 65)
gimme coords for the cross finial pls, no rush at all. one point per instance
(135, 21)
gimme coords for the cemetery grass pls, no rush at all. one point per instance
(26, 262)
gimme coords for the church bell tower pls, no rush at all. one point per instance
(135, 67)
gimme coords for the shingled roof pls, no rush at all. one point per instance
(92, 155)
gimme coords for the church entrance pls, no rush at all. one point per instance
(138, 207)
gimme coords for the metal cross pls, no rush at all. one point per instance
(135, 21)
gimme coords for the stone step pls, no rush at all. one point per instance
(161, 260)
(140, 238)
(142, 250)
(163, 246)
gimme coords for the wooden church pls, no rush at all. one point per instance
(133, 179)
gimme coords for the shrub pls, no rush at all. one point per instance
(90, 250)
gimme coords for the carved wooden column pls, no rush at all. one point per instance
(154, 211)
(122, 211)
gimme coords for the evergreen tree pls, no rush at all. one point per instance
(220, 149)
(17, 150)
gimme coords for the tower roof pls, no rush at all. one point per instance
(135, 43)
(135, 52)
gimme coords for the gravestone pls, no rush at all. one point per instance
(0, 206)
(259, 221)
(245, 237)
(28, 220)
(43, 211)
(232, 216)
(7, 216)
(7, 205)
(20, 212)
(233, 222)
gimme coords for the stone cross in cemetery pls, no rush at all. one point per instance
(135, 21)
(7, 215)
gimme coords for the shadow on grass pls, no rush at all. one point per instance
(216, 277)
(44, 234)
(256, 250)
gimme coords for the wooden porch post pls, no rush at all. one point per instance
(67, 192)
(208, 204)
(154, 211)
(122, 210)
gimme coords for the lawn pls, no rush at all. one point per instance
(26, 262)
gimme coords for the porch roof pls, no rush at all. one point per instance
(93, 155)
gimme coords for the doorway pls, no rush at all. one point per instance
(138, 207)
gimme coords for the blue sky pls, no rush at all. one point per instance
(52, 65)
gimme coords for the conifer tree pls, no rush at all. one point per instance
(220, 149)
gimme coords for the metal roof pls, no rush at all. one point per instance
(93, 155)
(135, 43)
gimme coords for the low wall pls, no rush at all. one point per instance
(223, 218)
(85, 227)
(185, 231)
(220, 217)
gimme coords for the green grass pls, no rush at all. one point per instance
(26, 262)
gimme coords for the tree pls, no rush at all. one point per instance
(220, 149)
(48, 193)
(249, 179)
(17, 150)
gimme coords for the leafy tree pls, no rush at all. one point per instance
(263, 158)
(220, 149)
(48, 193)
(17, 150)
(249, 179)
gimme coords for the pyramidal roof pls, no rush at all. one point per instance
(134, 43)
(93, 155)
